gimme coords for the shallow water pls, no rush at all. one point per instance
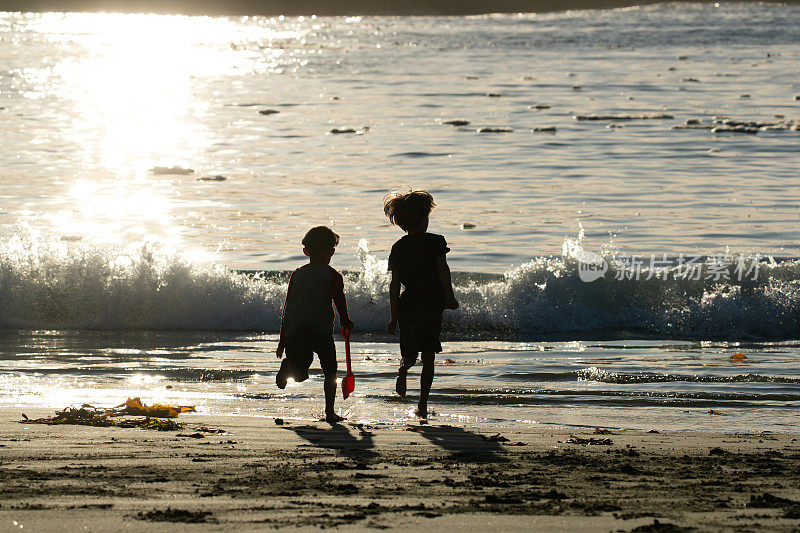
(91, 238)
(582, 384)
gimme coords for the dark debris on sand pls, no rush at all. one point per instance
(176, 515)
(89, 416)
(494, 438)
(590, 440)
(660, 527)
(791, 508)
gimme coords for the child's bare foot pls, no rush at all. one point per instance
(400, 385)
(333, 418)
(422, 411)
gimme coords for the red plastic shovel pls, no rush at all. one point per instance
(349, 381)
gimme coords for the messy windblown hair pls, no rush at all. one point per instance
(408, 209)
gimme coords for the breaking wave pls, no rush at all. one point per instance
(56, 285)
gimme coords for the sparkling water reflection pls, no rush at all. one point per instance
(103, 98)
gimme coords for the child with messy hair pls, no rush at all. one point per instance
(417, 262)
(307, 320)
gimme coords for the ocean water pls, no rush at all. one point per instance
(150, 211)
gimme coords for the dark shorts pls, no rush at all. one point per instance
(419, 332)
(300, 350)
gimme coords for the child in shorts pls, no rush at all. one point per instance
(417, 262)
(307, 319)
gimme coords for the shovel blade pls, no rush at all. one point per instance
(348, 384)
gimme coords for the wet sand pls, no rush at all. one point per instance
(259, 475)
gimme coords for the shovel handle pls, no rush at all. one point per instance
(346, 335)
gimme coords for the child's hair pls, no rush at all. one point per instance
(320, 240)
(408, 209)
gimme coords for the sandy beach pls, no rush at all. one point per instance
(249, 473)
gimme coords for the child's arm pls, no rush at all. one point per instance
(337, 294)
(394, 297)
(282, 341)
(450, 301)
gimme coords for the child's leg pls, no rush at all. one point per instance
(408, 352)
(330, 398)
(297, 359)
(327, 358)
(425, 381)
(400, 385)
(408, 358)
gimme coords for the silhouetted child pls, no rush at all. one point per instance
(307, 320)
(418, 262)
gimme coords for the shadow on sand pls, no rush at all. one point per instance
(462, 444)
(339, 437)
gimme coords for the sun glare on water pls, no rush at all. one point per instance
(136, 89)
(117, 211)
(132, 80)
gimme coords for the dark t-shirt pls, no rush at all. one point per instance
(413, 259)
(308, 307)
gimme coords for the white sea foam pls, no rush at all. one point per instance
(50, 284)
